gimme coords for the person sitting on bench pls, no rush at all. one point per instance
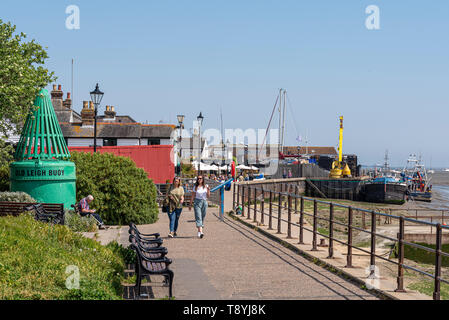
(85, 210)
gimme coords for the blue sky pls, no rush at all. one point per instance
(156, 59)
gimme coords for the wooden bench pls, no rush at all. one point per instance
(150, 257)
(145, 242)
(41, 214)
(16, 208)
(143, 235)
(152, 253)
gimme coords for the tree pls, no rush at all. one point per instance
(22, 75)
(6, 156)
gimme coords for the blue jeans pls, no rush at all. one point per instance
(174, 219)
(95, 215)
(200, 207)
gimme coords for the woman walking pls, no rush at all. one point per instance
(175, 201)
(201, 193)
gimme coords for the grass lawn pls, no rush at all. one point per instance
(34, 257)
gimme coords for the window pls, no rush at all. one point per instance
(111, 142)
(153, 142)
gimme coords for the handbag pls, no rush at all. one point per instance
(165, 205)
(166, 202)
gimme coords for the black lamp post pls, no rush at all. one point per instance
(180, 121)
(96, 97)
(200, 119)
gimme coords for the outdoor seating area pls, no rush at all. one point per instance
(150, 258)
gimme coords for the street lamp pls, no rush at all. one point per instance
(200, 119)
(96, 97)
(180, 121)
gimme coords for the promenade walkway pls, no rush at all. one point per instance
(233, 261)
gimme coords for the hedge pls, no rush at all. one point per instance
(122, 192)
(18, 196)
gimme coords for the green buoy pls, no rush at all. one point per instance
(41, 166)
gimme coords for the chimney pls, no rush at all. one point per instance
(67, 102)
(109, 113)
(91, 105)
(56, 97)
(87, 114)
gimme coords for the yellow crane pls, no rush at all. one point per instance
(339, 168)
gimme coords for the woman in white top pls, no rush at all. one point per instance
(202, 192)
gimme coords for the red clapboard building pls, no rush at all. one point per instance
(157, 161)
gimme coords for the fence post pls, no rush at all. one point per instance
(238, 195)
(349, 256)
(301, 221)
(289, 226)
(248, 214)
(363, 220)
(255, 205)
(270, 208)
(243, 200)
(279, 213)
(315, 212)
(233, 196)
(373, 242)
(331, 230)
(262, 205)
(400, 279)
(436, 293)
(296, 202)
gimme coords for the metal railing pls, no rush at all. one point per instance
(254, 201)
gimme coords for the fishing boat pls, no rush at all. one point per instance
(385, 186)
(384, 190)
(417, 180)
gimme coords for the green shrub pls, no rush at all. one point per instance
(34, 257)
(187, 170)
(6, 156)
(80, 224)
(127, 254)
(122, 192)
(4, 178)
(16, 197)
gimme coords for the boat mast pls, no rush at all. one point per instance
(386, 165)
(222, 138)
(280, 121)
(283, 119)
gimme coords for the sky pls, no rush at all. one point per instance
(156, 59)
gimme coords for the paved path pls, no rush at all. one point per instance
(234, 262)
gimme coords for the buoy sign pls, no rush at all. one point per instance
(39, 173)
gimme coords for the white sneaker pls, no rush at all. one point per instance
(199, 234)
